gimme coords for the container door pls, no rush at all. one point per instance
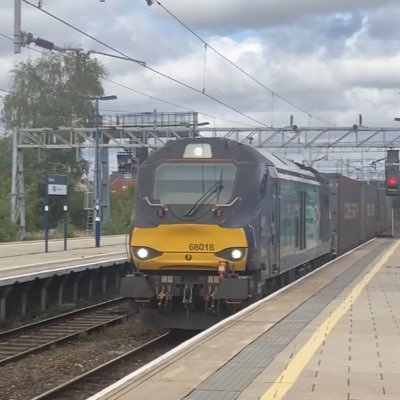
(275, 218)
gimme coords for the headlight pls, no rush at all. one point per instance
(236, 254)
(232, 254)
(142, 253)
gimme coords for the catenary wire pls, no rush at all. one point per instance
(145, 94)
(139, 92)
(273, 93)
(145, 66)
(173, 104)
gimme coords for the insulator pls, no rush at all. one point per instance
(44, 43)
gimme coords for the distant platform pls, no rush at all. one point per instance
(21, 259)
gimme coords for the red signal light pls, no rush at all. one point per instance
(392, 181)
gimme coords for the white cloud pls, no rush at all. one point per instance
(235, 15)
(335, 59)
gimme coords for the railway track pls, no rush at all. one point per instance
(91, 382)
(19, 342)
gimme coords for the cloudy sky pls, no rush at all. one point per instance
(334, 59)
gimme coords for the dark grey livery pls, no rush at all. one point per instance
(219, 224)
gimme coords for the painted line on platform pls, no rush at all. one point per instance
(288, 378)
(41, 242)
(83, 258)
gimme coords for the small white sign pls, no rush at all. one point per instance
(57, 190)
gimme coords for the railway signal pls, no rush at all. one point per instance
(392, 173)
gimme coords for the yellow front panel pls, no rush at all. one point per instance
(188, 246)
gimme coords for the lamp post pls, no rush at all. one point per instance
(97, 202)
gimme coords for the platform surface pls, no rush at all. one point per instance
(334, 335)
(20, 258)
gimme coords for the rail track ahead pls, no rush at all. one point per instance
(91, 382)
(24, 340)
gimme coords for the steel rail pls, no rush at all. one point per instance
(59, 392)
(19, 342)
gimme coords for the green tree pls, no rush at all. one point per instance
(51, 91)
(7, 230)
(121, 211)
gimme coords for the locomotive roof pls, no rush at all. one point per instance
(286, 165)
(225, 148)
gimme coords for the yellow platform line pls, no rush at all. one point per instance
(289, 376)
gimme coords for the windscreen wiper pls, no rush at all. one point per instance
(213, 190)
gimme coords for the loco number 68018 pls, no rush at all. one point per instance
(201, 247)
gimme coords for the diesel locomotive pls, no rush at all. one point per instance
(217, 225)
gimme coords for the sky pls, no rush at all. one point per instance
(333, 59)
(324, 62)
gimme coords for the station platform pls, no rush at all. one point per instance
(333, 335)
(18, 259)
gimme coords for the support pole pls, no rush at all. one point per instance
(97, 181)
(90, 286)
(97, 224)
(104, 282)
(65, 226)
(24, 297)
(17, 26)
(17, 187)
(24, 302)
(3, 303)
(14, 178)
(61, 286)
(75, 290)
(117, 279)
(392, 221)
(46, 228)
(105, 183)
(43, 294)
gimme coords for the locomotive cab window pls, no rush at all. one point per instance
(185, 183)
